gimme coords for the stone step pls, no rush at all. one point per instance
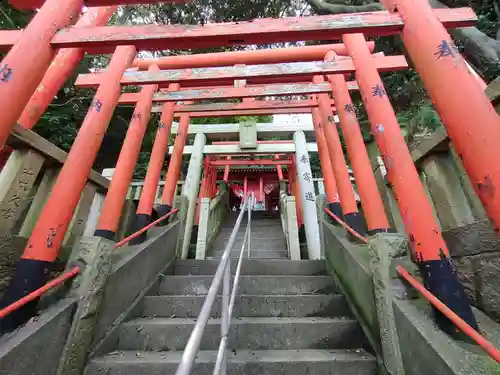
(245, 333)
(257, 243)
(275, 220)
(228, 227)
(240, 362)
(254, 254)
(253, 267)
(323, 305)
(271, 234)
(255, 284)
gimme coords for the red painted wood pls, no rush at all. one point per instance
(260, 142)
(34, 4)
(259, 31)
(252, 81)
(221, 163)
(8, 38)
(236, 92)
(60, 69)
(63, 200)
(259, 104)
(467, 113)
(215, 75)
(24, 66)
(261, 56)
(249, 112)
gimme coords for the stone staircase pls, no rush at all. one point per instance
(289, 319)
(268, 240)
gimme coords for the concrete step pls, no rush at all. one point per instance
(253, 267)
(245, 333)
(240, 362)
(257, 242)
(262, 284)
(323, 305)
(254, 224)
(254, 254)
(272, 234)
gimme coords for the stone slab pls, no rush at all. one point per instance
(333, 305)
(245, 333)
(25, 138)
(350, 264)
(36, 348)
(11, 249)
(472, 239)
(133, 270)
(427, 350)
(254, 254)
(240, 362)
(17, 179)
(253, 267)
(199, 285)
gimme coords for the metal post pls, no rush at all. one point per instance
(23, 67)
(156, 160)
(428, 246)
(332, 194)
(174, 168)
(469, 118)
(117, 191)
(43, 246)
(62, 67)
(371, 201)
(194, 341)
(347, 199)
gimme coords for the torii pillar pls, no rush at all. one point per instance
(425, 240)
(307, 195)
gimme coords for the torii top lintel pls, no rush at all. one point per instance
(222, 75)
(104, 39)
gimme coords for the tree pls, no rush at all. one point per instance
(480, 46)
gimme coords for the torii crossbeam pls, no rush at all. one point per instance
(235, 92)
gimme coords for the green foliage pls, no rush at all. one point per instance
(11, 18)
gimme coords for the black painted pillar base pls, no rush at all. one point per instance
(336, 210)
(30, 274)
(355, 221)
(104, 233)
(194, 235)
(302, 234)
(441, 280)
(140, 221)
(162, 211)
(372, 232)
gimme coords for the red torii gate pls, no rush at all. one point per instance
(444, 72)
